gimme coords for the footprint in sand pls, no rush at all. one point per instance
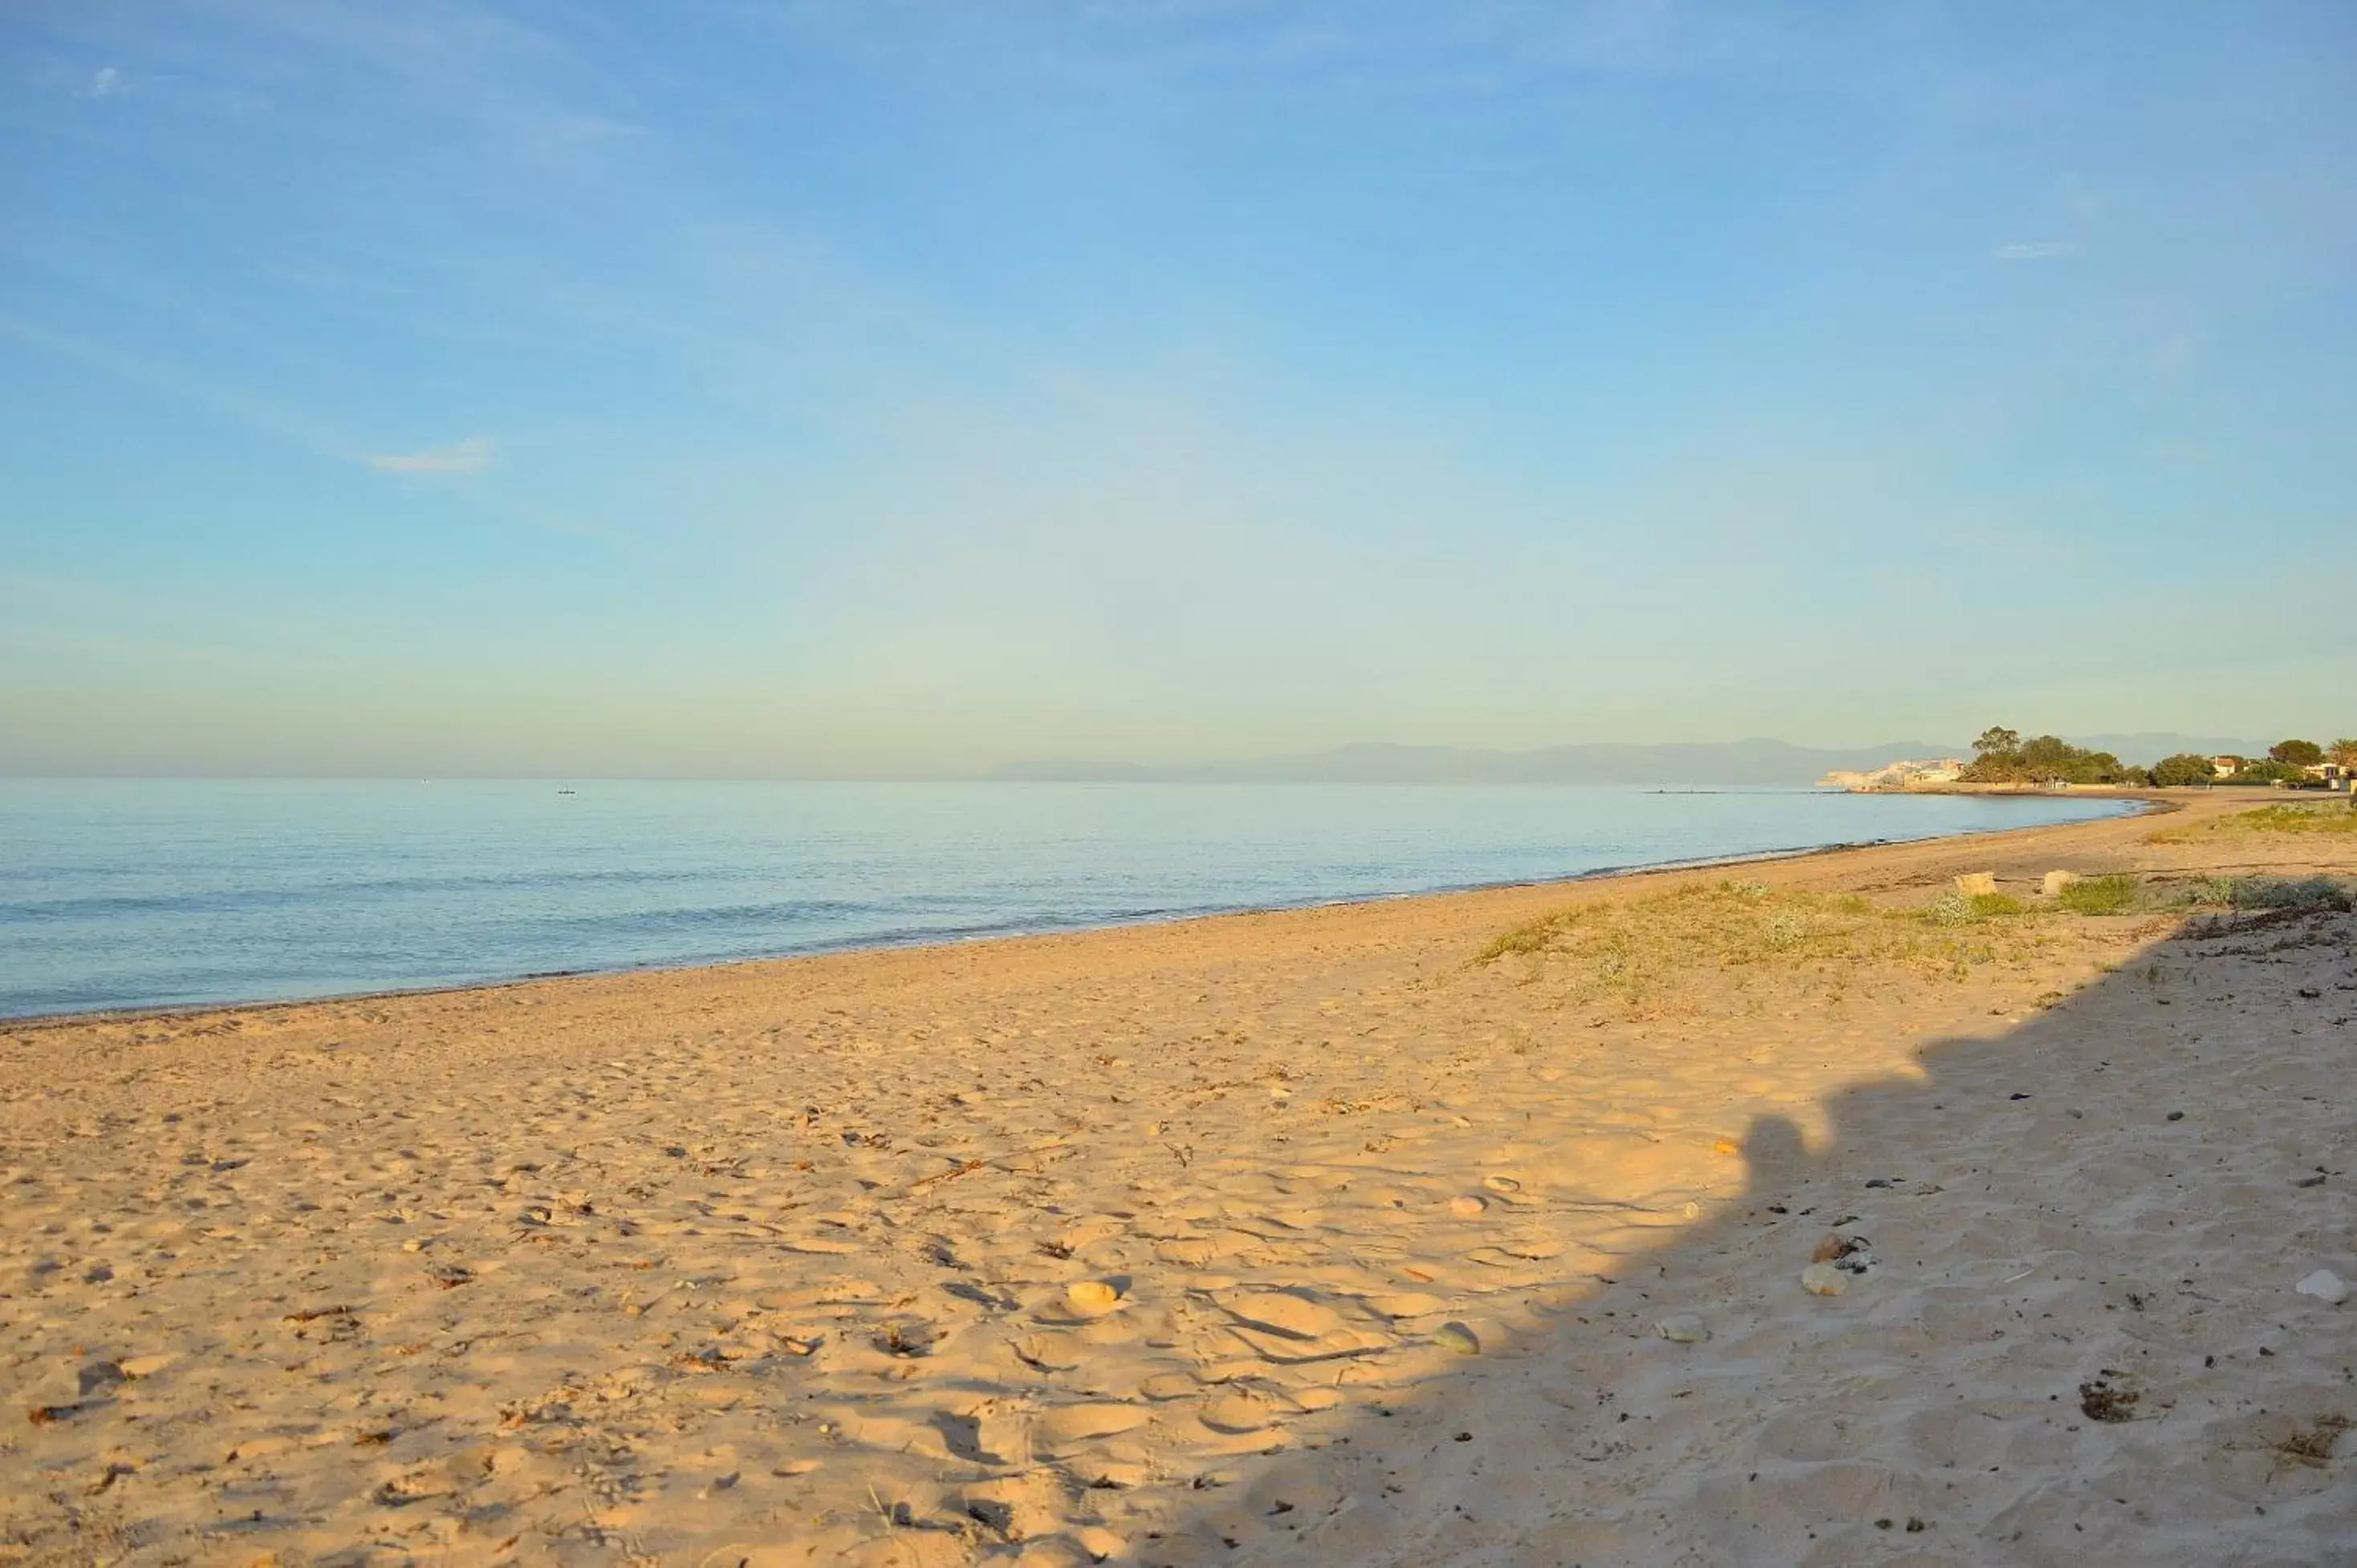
(1281, 1312)
(1237, 1412)
(1072, 1426)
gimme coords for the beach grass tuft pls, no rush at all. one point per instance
(2115, 895)
(1531, 937)
(1954, 907)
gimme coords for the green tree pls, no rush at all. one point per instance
(2005, 758)
(2048, 756)
(2183, 768)
(2343, 752)
(1996, 740)
(2296, 753)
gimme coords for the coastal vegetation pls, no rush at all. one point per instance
(1691, 948)
(2183, 768)
(2296, 895)
(2002, 757)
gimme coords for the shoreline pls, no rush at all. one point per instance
(2154, 803)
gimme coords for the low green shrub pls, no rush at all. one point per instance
(2306, 893)
(2303, 892)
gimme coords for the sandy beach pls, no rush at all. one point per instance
(1468, 1229)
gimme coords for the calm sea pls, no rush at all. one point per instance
(144, 893)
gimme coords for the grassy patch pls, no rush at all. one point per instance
(2099, 896)
(2284, 817)
(2304, 817)
(1691, 946)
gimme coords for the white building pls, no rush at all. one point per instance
(1906, 773)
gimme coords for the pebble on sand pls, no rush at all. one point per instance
(1976, 883)
(2054, 882)
(1684, 1328)
(1454, 1335)
(2325, 1286)
(1824, 1279)
(1465, 1206)
(1092, 1295)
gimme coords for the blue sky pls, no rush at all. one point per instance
(907, 387)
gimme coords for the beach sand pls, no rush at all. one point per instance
(1308, 1237)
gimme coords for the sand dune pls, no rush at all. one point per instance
(1302, 1236)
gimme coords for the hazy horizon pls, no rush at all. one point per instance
(1609, 762)
(923, 390)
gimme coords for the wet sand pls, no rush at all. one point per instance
(1316, 1236)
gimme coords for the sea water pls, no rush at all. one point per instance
(140, 893)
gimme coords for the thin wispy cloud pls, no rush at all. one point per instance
(2035, 250)
(278, 420)
(471, 456)
(105, 83)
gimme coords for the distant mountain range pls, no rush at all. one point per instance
(2148, 747)
(1720, 762)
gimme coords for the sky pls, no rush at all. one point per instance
(908, 387)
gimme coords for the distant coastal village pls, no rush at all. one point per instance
(2001, 760)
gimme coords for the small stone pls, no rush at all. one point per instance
(2325, 1286)
(2054, 882)
(1454, 1336)
(1851, 1254)
(1465, 1206)
(1092, 1295)
(1822, 1279)
(1976, 883)
(1502, 1184)
(1684, 1328)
